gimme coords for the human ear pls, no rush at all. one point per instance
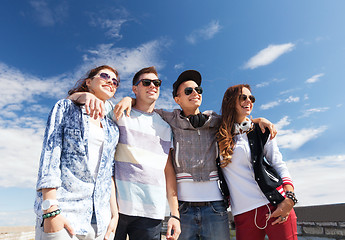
(177, 100)
(134, 89)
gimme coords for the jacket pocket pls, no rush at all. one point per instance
(73, 142)
(271, 176)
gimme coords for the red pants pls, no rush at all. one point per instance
(247, 230)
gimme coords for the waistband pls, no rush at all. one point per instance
(199, 204)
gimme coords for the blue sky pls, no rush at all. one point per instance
(292, 53)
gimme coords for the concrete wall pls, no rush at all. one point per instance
(321, 222)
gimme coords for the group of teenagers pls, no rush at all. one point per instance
(107, 172)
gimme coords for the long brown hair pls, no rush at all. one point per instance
(81, 86)
(225, 133)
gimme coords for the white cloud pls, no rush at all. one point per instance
(315, 78)
(310, 111)
(179, 66)
(289, 91)
(294, 139)
(127, 61)
(270, 105)
(276, 103)
(265, 84)
(20, 152)
(206, 32)
(291, 99)
(49, 15)
(18, 87)
(282, 123)
(325, 172)
(113, 26)
(268, 55)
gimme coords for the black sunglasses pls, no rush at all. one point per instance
(147, 82)
(106, 77)
(243, 97)
(189, 90)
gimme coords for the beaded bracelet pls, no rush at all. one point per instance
(51, 214)
(292, 196)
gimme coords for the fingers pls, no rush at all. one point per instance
(273, 131)
(168, 234)
(102, 110)
(128, 110)
(118, 111)
(120, 108)
(69, 228)
(280, 220)
(173, 229)
(87, 106)
(107, 235)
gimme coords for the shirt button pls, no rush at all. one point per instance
(258, 179)
(274, 202)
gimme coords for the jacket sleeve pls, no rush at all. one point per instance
(49, 167)
(274, 157)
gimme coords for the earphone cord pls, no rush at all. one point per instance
(269, 216)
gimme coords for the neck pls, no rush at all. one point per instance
(144, 107)
(188, 112)
(241, 119)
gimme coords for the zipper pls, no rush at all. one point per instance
(271, 176)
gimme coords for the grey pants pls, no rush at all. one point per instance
(64, 235)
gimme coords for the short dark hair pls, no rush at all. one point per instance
(151, 69)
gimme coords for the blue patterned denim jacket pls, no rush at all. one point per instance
(64, 166)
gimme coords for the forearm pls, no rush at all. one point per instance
(113, 202)
(79, 97)
(49, 193)
(171, 188)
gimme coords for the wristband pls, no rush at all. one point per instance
(172, 216)
(292, 196)
(51, 214)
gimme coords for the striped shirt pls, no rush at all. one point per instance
(140, 160)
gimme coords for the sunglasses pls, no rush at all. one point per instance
(147, 82)
(106, 77)
(189, 90)
(243, 97)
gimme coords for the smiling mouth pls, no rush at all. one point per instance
(110, 89)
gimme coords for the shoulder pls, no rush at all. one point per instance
(110, 122)
(168, 115)
(64, 105)
(263, 136)
(214, 117)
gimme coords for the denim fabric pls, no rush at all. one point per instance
(64, 166)
(138, 228)
(206, 223)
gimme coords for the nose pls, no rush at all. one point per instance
(195, 92)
